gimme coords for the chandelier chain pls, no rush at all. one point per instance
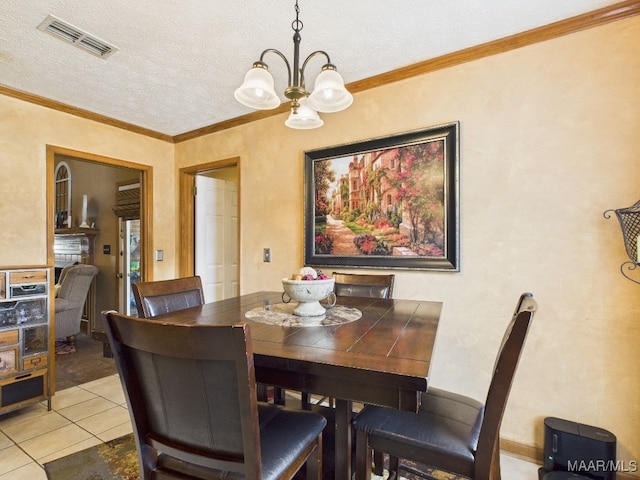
(297, 23)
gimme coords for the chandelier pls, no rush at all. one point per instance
(328, 95)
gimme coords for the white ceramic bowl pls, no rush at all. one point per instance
(308, 294)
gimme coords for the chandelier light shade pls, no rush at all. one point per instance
(258, 91)
(329, 94)
(305, 118)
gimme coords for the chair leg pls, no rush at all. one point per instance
(495, 462)
(314, 462)
(261, 392)
(394, 466)
(278, 395)
(363, 456)
(306, 401)
(378, 463)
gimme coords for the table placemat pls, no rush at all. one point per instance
(281, 314)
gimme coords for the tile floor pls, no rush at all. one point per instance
(81, 416)
(88, 414)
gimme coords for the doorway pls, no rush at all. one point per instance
(127, 208)
(95, 178)
(210, 236)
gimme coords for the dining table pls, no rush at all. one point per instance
(364, 350)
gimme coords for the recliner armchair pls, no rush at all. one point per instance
(69, 303)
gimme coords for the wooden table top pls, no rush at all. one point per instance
(391, 343)
(382, 358)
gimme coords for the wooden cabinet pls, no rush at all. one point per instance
(24, 337)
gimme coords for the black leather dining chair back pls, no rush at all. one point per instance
(487, 454)
(450, 432)
(164, 296)
(191, 394)
(363, 285)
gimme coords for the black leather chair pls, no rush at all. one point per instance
(363, 285)
(164, 296)
(451, 432)
(191, 394)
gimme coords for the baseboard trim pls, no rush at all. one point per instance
(534, 455)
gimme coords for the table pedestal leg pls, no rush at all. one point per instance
(343, 412)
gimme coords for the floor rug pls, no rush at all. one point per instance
(117, 460)
(64, 348)
(113, 460)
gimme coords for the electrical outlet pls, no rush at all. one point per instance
(159, 255)
(266, 255)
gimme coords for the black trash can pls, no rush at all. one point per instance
(560, 475)
(576, 451)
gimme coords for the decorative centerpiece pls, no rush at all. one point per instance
(307, 288)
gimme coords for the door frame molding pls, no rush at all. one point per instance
(186, 230)
(146, 203)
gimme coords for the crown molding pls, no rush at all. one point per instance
(561, 28)
(612, 13)
(79, 112)
(602, 16)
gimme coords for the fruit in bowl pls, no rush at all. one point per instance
(308, 288)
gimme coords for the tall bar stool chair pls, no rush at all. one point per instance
(363, 285)
(165, 296)
(450, 432)
(191, 395)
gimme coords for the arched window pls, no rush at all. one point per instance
(62, 177)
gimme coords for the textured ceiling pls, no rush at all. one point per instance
(179, 61)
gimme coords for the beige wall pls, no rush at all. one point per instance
(25, 132)
(549, 140)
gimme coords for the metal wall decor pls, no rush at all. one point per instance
(629, 219)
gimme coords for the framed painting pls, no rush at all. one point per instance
(389, 202)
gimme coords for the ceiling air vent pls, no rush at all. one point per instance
(77, 37)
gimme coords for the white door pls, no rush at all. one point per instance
(216, 233)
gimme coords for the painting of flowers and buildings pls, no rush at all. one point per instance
(390, 202)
